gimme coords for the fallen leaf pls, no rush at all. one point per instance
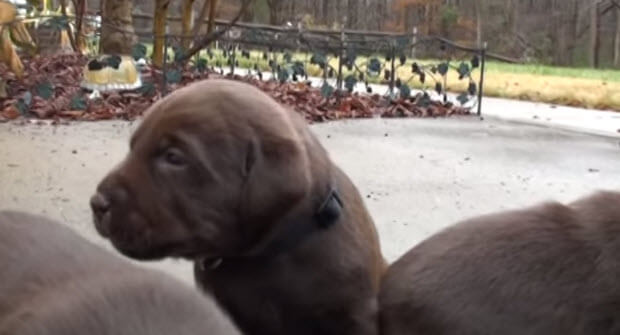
(10, 113)
(64, 73)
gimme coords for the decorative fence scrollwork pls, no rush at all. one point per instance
(348, 61)
(337, 62)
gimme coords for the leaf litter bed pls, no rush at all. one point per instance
(50, 90)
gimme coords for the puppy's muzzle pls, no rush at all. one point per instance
(100, 206)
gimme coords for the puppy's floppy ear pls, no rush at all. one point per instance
(277, 177)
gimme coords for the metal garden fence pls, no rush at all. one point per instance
(346, 60)
(335, 61)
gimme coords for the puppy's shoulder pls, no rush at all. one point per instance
(532, 217)
(597, 200)
(600, 210)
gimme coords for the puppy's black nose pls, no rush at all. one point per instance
(99, 204)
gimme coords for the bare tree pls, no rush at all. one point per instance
(617, 39)
(512, 15)
(159, 30)
(275, 7)
(382, 10)
(352, 7)
(559, 31)
(208, 8)
(594, 34)
(478, 10)
(187, 13)
(325, 18)
(554, 31)
(339, 11)
(214, 35)
(316, 6)
(117, 32)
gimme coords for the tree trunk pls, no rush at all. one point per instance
(427, 19)
(212, 9)
(369, 15)
(382, 14)
(273, 16)
(478, 9)
(574, 24)
(408, 19)
(617, 40)
(248, 15)
(325, 18)
(202, 15)
(76, 37)
(159, 29)
(558, 32)
(512, 12)
(186, 21)
(63, 10)
(204, 41)
(80, 11)
(594, 38)
(117, 32)
(338, 16)
(316, 9)
(208, 9)
(273, 11)
(352, 14)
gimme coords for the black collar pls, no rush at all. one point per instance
(293, 233)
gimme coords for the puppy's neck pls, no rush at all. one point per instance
(318, 213)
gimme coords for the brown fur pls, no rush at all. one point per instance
(548, 269)
(248, 168)
(53, 282)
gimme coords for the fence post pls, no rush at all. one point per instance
(483, 56)
(325, 69)
(445, 88)
(197, 55)
(164, 66)
(340, 61)
(274, 57)
(393, 68)
(274, 65)
(233, 59)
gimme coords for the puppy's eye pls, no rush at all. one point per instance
(174, 157)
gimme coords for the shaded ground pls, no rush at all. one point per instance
(417, 175)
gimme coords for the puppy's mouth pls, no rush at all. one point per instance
(129, 234)
(154, 252)
(139, 254)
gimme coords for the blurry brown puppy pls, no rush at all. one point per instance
(221, 174)
(54, 282)
(548, 269)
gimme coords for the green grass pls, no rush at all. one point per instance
(547, 70)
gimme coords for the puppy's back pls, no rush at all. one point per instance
(55, 282)
(548, 269)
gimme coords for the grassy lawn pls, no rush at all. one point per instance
(581, 87)
(566, 86)
(546, 70)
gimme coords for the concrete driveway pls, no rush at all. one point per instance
(417, 176)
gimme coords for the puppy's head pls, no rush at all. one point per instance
(209, 169)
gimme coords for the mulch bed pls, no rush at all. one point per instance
(67, 101)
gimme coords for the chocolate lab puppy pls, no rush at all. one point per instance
(221, 174)
(548, 269)
(54, 282)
